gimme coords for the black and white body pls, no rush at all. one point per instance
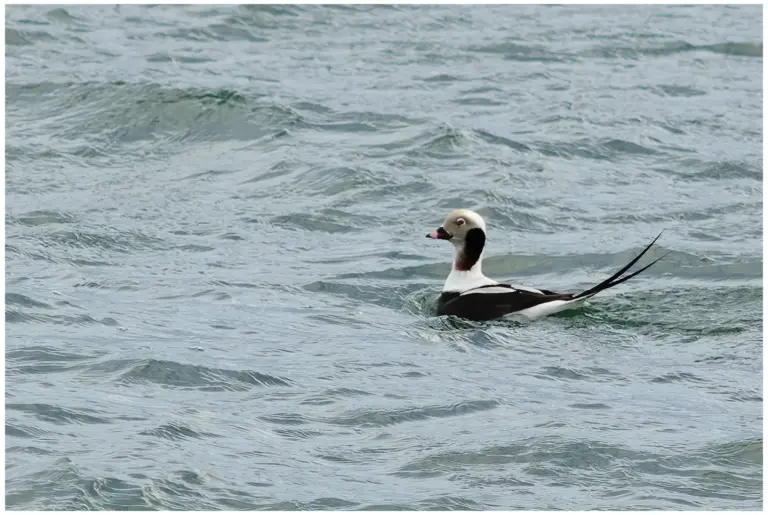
(469, 294)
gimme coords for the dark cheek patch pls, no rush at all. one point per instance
(473, 247)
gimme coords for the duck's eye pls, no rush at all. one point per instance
(459, 222)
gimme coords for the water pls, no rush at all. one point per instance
(219, 294)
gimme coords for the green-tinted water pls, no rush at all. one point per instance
(219, 294)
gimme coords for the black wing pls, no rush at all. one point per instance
(495, 302)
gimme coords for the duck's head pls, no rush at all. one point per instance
(458, 225)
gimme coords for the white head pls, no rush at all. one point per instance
(466, 230)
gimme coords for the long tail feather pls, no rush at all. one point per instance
(616, 279)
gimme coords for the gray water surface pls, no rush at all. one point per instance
(219, 294)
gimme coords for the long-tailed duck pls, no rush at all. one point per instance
(469, 294)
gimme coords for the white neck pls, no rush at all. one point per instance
(462, 280)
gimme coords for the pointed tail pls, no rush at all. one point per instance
(616, 279)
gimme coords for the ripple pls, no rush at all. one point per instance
(100, 493)
(298, 434)
(175, 495)
(143, 112)
(384, 296)
(173, 374)
(607, 149)
(677, 376)
(310, 222)
(588, 374)
(15, 317)
(694, 170)
(286, 419)
(15, 430)
(441, 77)
(571, 454)
(589, 406)
(58, 414)
(522, 53)
(43, 217)
(26, 37)
(738, 49)
(323, 181)
(678, 91)
(17, 299)
(384, 418)
(43, 360)
(676, 47)
(478, 102)
(176, 431)
(60, 479)
(333, 395)
(500, 140)
(125, 241)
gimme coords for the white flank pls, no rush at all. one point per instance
(525, 288)
(546, 309)
(490, 289)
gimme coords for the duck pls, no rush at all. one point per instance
(467, 293)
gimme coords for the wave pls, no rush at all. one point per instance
(517, 51)
(179, 375)
(521, 52)
(57, 414)
(672, 48)
(384, 418)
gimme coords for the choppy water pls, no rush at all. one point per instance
(219, 294)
